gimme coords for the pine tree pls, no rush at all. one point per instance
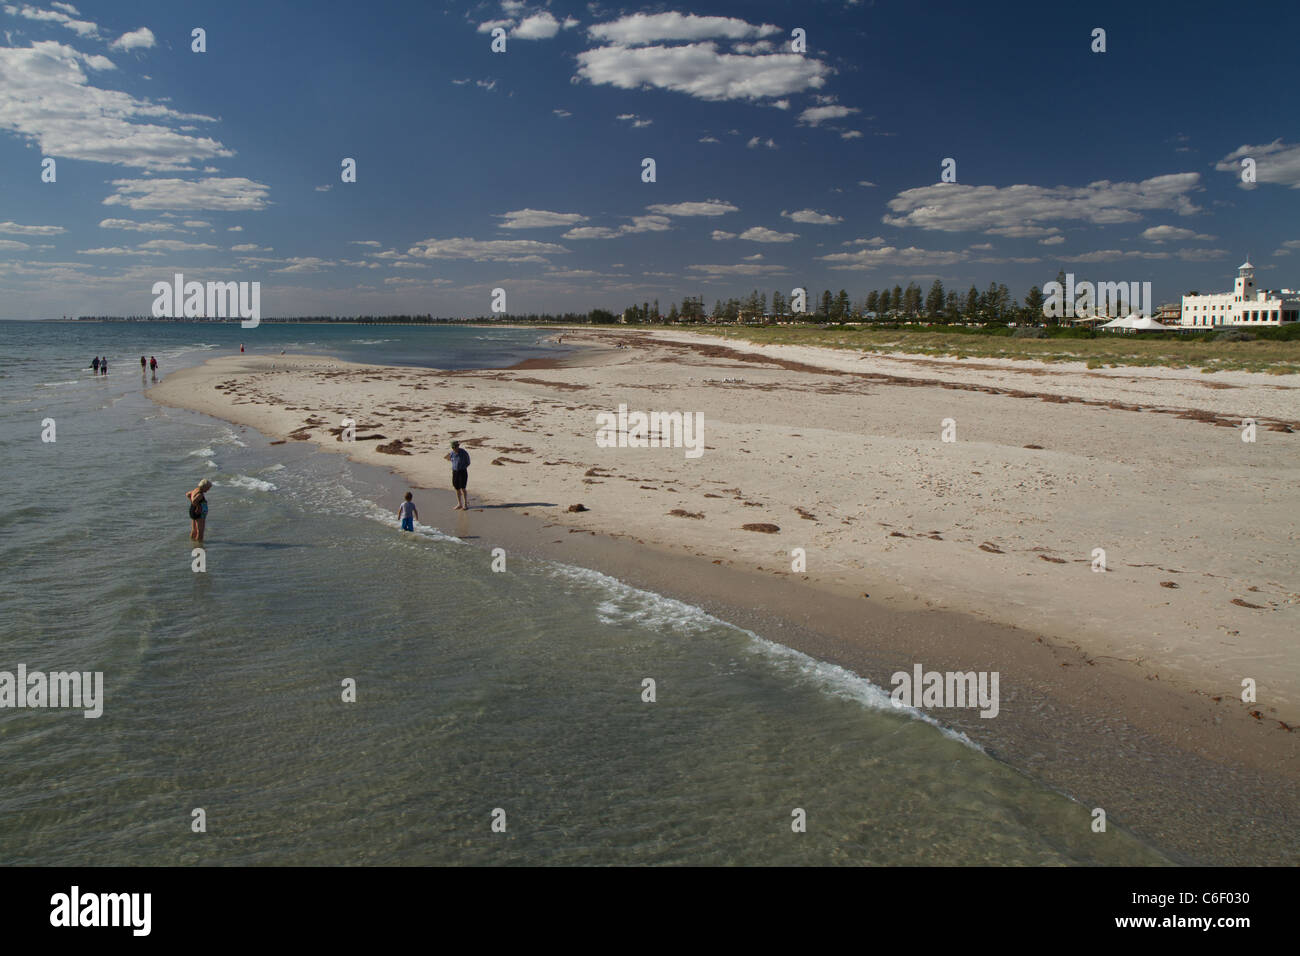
(778, 303)
(934, 300)
(873, 301)
(973, 304)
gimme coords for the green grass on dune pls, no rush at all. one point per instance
(1274, 351)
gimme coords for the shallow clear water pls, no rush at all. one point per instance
(476, 690)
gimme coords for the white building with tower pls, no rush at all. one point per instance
(1244, 305)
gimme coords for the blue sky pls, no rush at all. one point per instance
(522, 169)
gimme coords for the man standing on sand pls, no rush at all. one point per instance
(459, 459)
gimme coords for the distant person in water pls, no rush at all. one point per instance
(103, 366)
(95, 365)
(198, 509)
(241, 346)
(459, 459)
(408, 513)
(142, 364)
(153, 365)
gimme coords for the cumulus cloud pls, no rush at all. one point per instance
(756, 142)
(1020, 210)
(742, 269)
(812, 217)
(83, 28)
(197, 224)
(851, 134)
(819, 114)
(699, 70)
(709, 207)
(763, 234)
(1276, 162)
(561, 113)
(14, 229)
(641, 28)
(13, 245)
(637, 224)
(1051, 241)
(141, 39)
(636, 121)
(306, 264)
(1162, 233)
(890, 255)
(721, 234)
(46, 98)
(486, 250)
(232, 194)
(540, 26)
(175, 245)
(538, 219)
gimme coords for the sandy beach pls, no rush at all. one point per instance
(1122, 686)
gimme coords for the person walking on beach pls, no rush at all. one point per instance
(95, 365)
(153, 366)
(198, 509)
(459, 459)
(408, 513)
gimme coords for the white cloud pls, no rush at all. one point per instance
(1051, 241)
(818, 114)
(699, 70)
(1161, 233)
(1020, 210)
(83, 28)
(12, 245)
(1111, 255)
(540, 26)
(306, 264)
(489, 25)
(753, 269)
(1276, 162)
(141, 39)
(864, 182)
(14, 229)
(234, 229)
(46, 98)
(640, 28)
(721, 234)
(375, 243)
(890, 255)
(638, 224)
(538, 219)
(763, 234)
(250, 247)
(492, 250)
(175, 245)
(230, 195)
(197, 224)
(709, 207)
(709, 139)
(812, 217)
(851, 134)
(115, 251)
(758, 46)
(754, 258)
(635, 120)
(324, 189)
(132, 226)
(755, 142)
(562, 113)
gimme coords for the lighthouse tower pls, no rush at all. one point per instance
(1244, 290)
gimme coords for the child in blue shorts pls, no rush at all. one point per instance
(408, 513)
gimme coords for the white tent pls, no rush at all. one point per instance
(1137, 323)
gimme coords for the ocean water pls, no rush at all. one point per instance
(480, 696)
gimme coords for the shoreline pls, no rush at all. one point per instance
(1200, 778)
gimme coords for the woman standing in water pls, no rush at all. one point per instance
(198, 510)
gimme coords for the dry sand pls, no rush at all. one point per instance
(1122, 687)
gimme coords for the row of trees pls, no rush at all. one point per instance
(994, 304)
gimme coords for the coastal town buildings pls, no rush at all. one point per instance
(1244, 305)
